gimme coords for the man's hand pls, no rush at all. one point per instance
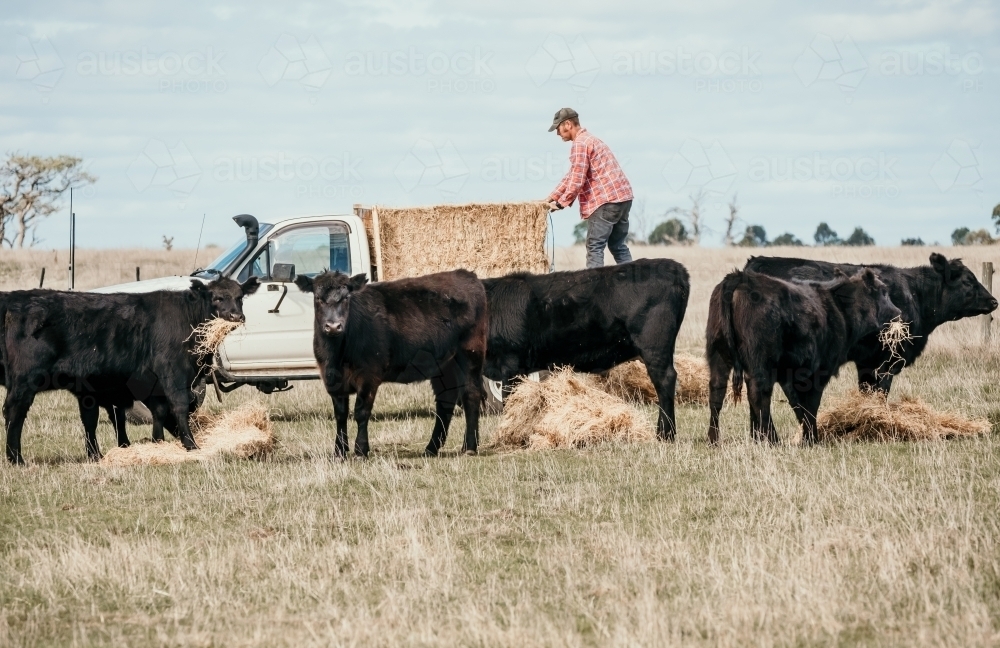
(554, 205)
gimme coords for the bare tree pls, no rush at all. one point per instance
(731, 221)
(693, 215)
(637, 215)
(168, 242)
(30, 189)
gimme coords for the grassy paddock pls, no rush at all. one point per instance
(888, 544)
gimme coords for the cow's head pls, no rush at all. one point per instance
(865, 300)
(226, 296)
(961, 293)
(332, 293)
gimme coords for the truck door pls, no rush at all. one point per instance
(279, 336)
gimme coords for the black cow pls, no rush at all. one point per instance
(426, 328)
(591, 320)
(928, 296)
(98, 345)
(797, 334)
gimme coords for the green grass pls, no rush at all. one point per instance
(652, 544)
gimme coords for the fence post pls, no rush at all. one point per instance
(987, 319)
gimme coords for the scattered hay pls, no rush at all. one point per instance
(210, 334)
(568, 410)
(866, 416)
(630, 382)
(414, 241)
(892, 337)
(245, 432)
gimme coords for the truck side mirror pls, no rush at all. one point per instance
(283, 272)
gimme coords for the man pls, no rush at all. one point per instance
(597, 180)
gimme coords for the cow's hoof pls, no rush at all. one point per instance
(470, 453)
(189, 446)
(95, 457)
(430, 453)
(17, 460)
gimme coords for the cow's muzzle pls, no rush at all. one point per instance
(333, 328)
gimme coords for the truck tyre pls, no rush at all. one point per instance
(493, 403)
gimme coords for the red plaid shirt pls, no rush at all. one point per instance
(594, 176)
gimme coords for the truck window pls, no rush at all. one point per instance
(312, 248)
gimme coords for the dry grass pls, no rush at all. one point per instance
(567, 410)
(422, 240)
(245, 432)
(866, 416)
(630, 382)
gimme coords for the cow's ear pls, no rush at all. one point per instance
(304, 283)
(34, 320)
(357, 282)
(869, 278)
(250, 286)
(940, 263)
(198, 290)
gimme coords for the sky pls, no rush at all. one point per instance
(881, 115)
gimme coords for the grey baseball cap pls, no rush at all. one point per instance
(562, 115)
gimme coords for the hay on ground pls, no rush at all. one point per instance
(209, 335)
(630, 381)
(245, 432)
(491, 239)
(867, 416)
(568, 410)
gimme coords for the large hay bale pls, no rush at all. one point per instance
(491, 239)
(567, 410)
(244, 432)
(630, 381)
(867, 416)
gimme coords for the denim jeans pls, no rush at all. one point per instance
(608, 225)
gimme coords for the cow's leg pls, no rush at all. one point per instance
(447, 386)
(89, 414)
(15, 409)
(340, 411)
(872, 379)
(759, 396)
(472, 398)
(718, 379)
(117, 415)
(810, 407)
(656, 347)
(179, 397)
(664, 379)
(362, 412)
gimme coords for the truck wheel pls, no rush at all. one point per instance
(494, 392)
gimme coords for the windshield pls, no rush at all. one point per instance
(224, 260)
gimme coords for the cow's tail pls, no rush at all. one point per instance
(729, 285)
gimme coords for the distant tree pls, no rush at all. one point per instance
(859, 238)
(580, 233)
(31, 187)
(958, 236)
(754, 236)
(787, 239)
(979, 237)
(734, 210)
(694, 216)
(825, 236)
(168, 242)
(919, 242)
(669, 232)
(996, 218)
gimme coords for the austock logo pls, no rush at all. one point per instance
(958, 167)
(695, 166)
(427, 165)
(825, 60)
(38, 62)
(161, 166)
(292, 60)
(559, 59)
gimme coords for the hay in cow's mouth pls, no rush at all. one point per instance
(867, 416)
(209, 335)
(567, 410)
(892, 337)
(245, 432)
